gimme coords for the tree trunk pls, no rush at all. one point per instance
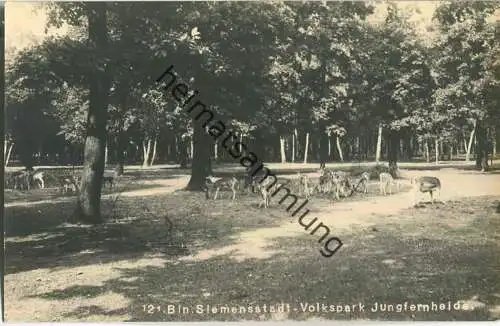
(191, 149)
(379, 144)
(436, 145)
(465, 145)
(241, 143)
(120, 157)
(329, 146)
(200, 167)
(282, 149)
(494, 142)
(427, 152)
(153, 156)
(89, 199)
(481, 147)
(9, 152)
(339, 149)
(146, 150)
(467, 155)
(106, 155)
(293, 147)
(393, 150)
(216, 150)
(306, 148)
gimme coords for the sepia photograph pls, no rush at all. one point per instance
(251, 161)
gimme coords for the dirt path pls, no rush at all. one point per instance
(23, 287)
(256, 243)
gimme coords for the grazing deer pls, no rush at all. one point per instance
(68, 183)
(304, 185)
(21, 180)
(265, 193)
(212, 182)
(38, 176)
(386, 182)
(363, 182)
(426, 184)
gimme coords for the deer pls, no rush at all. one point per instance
(426, 184)
(212, 182)
(386, 182)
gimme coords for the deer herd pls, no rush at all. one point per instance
(330, 183)
(68, 183)
(333, 184)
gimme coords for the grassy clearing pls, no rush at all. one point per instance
(224, 252)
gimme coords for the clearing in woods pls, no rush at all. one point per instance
(223, 252)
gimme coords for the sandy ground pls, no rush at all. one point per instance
(26, 291)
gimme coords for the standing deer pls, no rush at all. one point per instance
(426, 184)
(386, 182)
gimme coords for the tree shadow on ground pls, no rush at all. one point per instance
(41, 237)
(421, 260)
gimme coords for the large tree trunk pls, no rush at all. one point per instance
(200, 167)
(89, 199)
(146, 151)
(339, 148)
(120, 157)
(379, 144)
(393, 150)
(467, 155)
(306, 148)
(153, 156)
(282, 149)
(481, 146)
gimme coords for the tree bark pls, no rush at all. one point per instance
(306, 148)
(200, 167)
(393, 150)
(379, 144)
(329, 146)
(436, 145)
(146, 150)
(339, 148)
(153, 156)
(282, 149)
(293, 147)
(467, 155)
(9, 152)
(494, 142)
(427, 152)
(106, 155)
(191, 148)
(89, 199)
(216, 150)
(481, 146)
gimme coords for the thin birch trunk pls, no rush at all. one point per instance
(106, 155)
(11, 146)
(469, 148)
(293, 147)
(436, 145)
(216, 151)
(329, 147)
(146, 151)
(339, 148)
(427, 152)
(153, 157)
(282, 149)
(306, 147)
(379, 144)
(191, 149)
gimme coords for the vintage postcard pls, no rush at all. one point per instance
(251, 161)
